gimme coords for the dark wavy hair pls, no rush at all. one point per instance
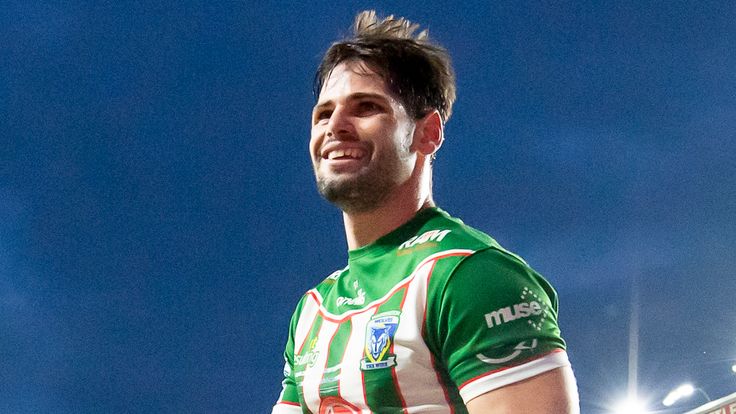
(416, 70)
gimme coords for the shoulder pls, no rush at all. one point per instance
(491, 312)
(442, 234)
(468, 256)
(326, 285)
(456, 232)
(495, 270)
(493, 287)
(315, 294)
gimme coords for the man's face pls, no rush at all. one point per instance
(361, 139)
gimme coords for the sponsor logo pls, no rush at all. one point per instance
(360, 300)
(310, 357)
(522, 310)
(307, 359)
(430, 236)
(336, 405)
(518, 349)
(379, 340)
(512, 313)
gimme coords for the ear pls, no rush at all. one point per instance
(429, 133)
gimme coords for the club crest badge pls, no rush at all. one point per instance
(379, 340)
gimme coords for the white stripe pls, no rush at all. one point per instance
(313, 374)
(393, 290)
(351, 377)
(508, 376)
(417, 379)
(306, 318)
(286, 409)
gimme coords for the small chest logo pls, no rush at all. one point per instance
(358, 300)
(379, 340)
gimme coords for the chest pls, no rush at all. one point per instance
(373, 354)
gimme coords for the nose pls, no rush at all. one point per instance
(340, 125)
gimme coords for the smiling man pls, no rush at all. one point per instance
(429, 315)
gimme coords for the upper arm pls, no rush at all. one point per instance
(553, 392)
(497, 324)
(288, 401)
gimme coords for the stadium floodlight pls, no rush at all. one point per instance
(684, 390)
(631, 406)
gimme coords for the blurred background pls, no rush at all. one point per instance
(159, 220)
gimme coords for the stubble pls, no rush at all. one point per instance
(368, 189)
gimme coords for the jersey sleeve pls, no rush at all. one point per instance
(497, 323)
(288, 402)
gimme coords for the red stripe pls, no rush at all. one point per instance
(362, 375)
(442, 383)
(403, 299)
(311, 326)
(391, 349)
(350, 314)
(342, 360)
(289, 403)
(505, 368)
(424, 317)
(431, 355)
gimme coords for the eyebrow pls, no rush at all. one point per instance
(353, 96)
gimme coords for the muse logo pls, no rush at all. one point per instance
(520, 311)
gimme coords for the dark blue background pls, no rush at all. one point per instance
(158, 217)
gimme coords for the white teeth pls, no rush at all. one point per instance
(349, 152)
(354, 153)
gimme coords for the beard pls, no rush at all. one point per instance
(367, 189)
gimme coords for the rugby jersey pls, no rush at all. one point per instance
(421, 321)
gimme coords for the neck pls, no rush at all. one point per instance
(363, 228)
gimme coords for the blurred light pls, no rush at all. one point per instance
(630, 406)
(733, 367)
(684, 390)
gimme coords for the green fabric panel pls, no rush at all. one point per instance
(497, 306)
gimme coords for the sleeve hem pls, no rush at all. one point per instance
(497, 379)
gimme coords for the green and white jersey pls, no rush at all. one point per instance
(421, 321)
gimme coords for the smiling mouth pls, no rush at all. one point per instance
(346, 154)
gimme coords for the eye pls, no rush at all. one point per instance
(322, 115)
(368, 107)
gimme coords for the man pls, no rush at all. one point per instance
(429, 316)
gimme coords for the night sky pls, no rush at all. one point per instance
(159, 219)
